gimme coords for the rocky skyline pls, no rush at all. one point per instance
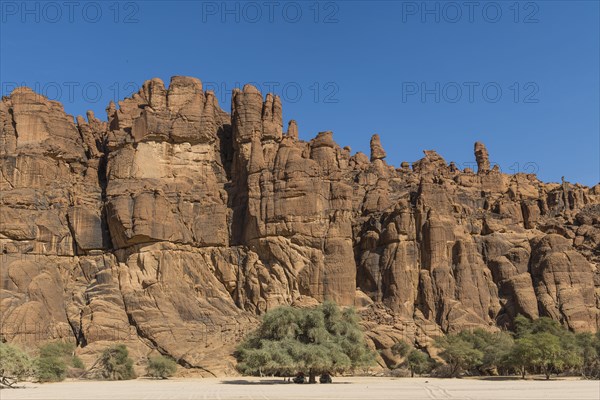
(174, 225)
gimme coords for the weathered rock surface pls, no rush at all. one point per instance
(174, 225)
(482, 158)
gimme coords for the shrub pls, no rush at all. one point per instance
(401, 348)
(400, 373)
(15, 365)
(415, 361)
(50, 369)
(54, 361)
(77, 363)
(161, 367)
(443, 371)
(115, 363)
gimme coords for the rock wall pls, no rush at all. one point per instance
(174, 225)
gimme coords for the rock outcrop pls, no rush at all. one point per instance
(377, 152)
(482, 158)
(174, 225)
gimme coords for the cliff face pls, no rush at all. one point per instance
(174, 225)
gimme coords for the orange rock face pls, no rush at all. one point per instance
(175, 225)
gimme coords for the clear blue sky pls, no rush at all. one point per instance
(423, 78)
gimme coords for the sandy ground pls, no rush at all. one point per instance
(342, 388)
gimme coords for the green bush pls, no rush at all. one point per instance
(459, 352)
(77, 363)
(541, 345)
(401, 348)
(324, 339)
(418, 362)
(54, 361)
(50, 369)
(161, 367)
(15, 365)
(475, 352)
(115, 363)
(544, 345)
(590, 353)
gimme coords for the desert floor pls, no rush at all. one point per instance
(343, 388)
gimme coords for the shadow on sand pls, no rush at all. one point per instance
(7, 388)
(518, 378)
(273, 382)
(499, 378)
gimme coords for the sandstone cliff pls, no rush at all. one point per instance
(173, 225)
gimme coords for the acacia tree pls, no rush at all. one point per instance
(459, 353)
(546, 345)
(589, 345)
(318, 340)
(524, 354)
(494, 346)
(541, 345)
(418, 362)
(550, 352)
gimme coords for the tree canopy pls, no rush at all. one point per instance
(544, 345)
(590, 354)
(316, 340)
(477, 351)
(459, 352)
(418, 362)
(540, 346)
